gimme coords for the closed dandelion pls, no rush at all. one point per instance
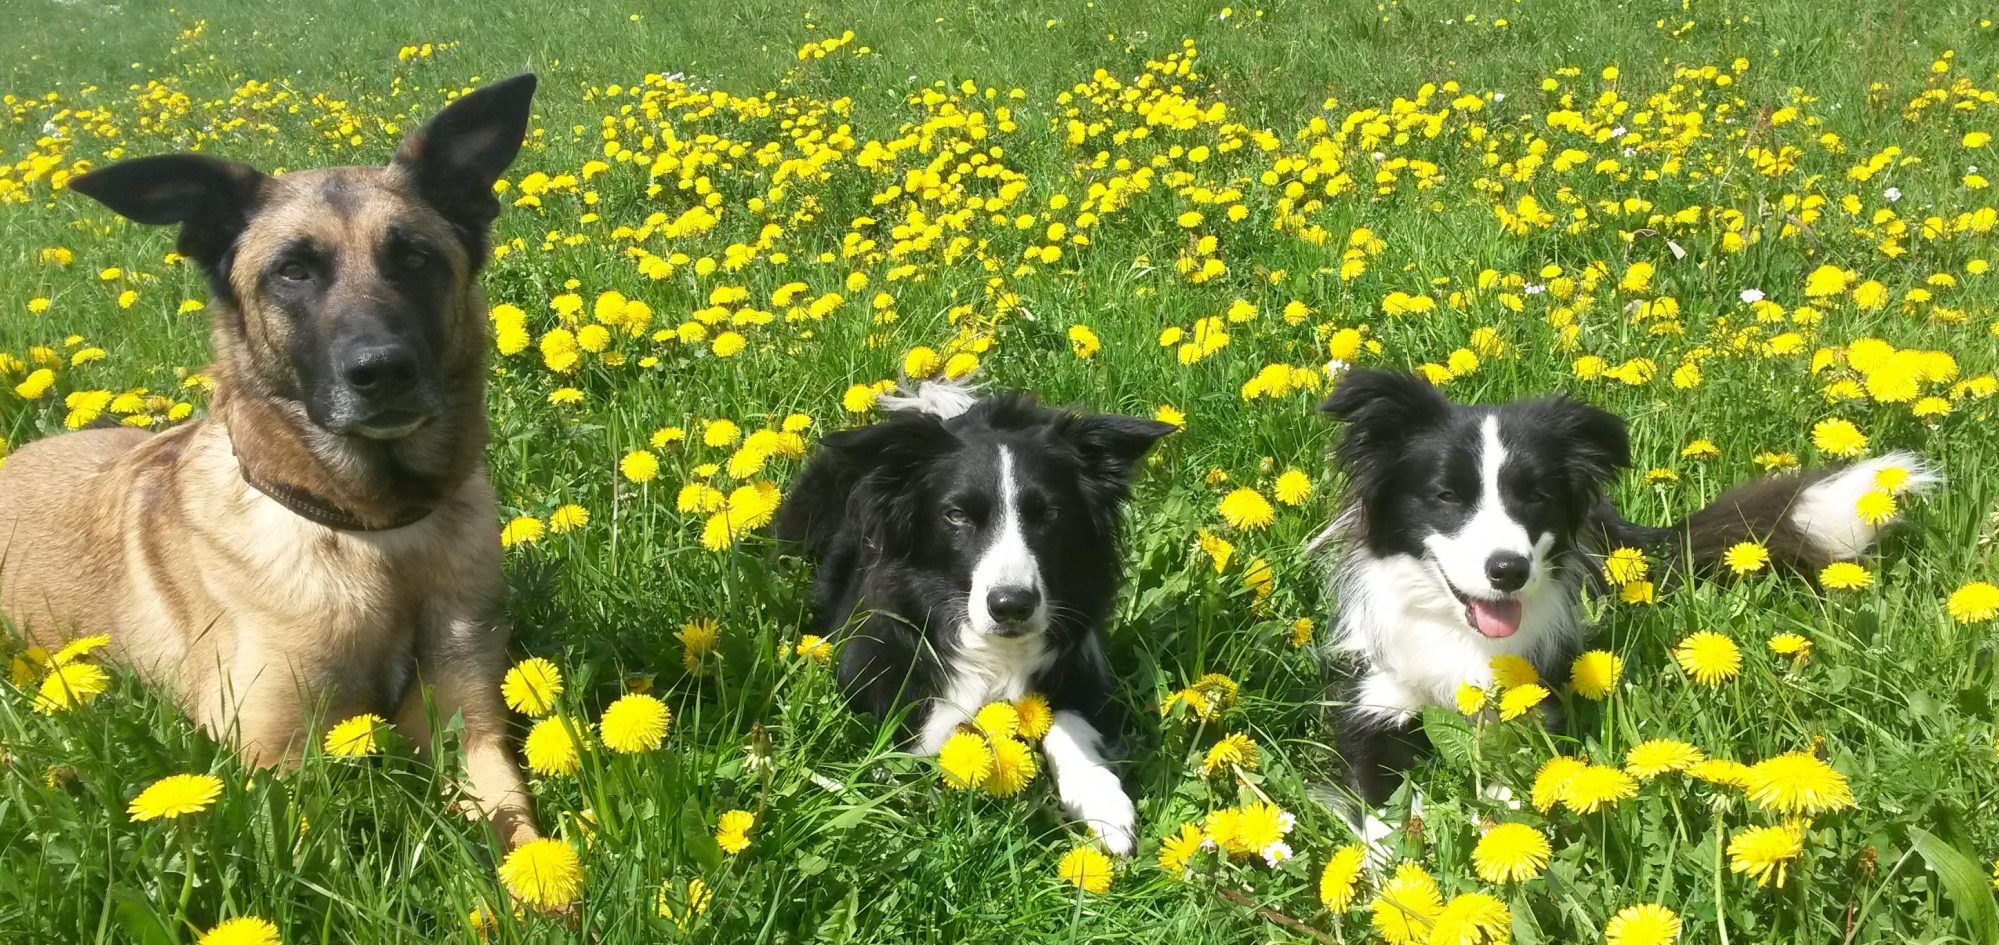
(1511, 853)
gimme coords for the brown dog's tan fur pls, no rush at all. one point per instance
(257, 620)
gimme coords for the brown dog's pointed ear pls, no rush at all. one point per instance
(457, 156)
(210, 198)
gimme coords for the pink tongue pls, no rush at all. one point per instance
(1495, 618)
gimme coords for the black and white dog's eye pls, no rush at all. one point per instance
(1446, 495)
(957, 517)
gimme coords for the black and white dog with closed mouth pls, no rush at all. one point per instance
(968, 551)
(1471, 532)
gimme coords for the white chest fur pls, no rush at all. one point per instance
(982, 669)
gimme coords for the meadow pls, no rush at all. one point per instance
(1763, 232)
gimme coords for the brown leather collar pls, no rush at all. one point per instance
(318, 509)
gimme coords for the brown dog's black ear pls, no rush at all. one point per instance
(210, 198)
(457, 156)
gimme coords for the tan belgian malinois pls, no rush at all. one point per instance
(324, 542)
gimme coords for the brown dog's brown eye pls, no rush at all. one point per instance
(414, 261)
(294, 271)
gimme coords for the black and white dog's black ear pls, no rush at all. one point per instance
(1383, 408)
(1112, 444)
(880, 462)
(457, 156)
(1599, 445)
(210, 198)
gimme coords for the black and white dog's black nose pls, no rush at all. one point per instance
(1012, 604)
(1507, 571)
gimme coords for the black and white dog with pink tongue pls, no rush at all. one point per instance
(1472, 532)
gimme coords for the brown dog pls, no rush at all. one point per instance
(324, 543)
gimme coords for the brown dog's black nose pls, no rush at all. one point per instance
(380, 371)
(1507, 571)
(1012, 604)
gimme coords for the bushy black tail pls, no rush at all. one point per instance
(1805, 520)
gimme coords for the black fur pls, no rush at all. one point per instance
(894, 576)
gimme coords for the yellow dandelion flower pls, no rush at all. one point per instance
(355, 737)
(1596, 787)
(1836, 437)
(998, 720)
(1473, 918)
(1710, 658)
(1509, 671)
(1765, 853)
(175, 795)
(1797, 783)
(814, 648)
(1721, 772)
(568, 518)
(1176, 853)
(965, 760)
(634, 723)
(1406, 907)
(1594, 674)
(732, 831)
(1746, 557)
(1470, 699)
(1846, 576)
(1293, 487)
(639, 466)
(1520, 700)
(1975, 602)
(531, 686)
(550, 746)
(243, 930)
(70, 684)
(1339, 882)
(1086, 868)
(1700, 449)
(1794, 645)
(1014, 766)
(1551, 781)
(544, 873)
(1036, 717)
(523, 530)
(1232, 751)
(1247, 509)
(1650, 759)
(1647, 924)
(1875, 507)
(1511, 853)
(1624, 565)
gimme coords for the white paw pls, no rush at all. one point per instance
(1094, 796)
(1374, 833)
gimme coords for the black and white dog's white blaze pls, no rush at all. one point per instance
(1470, 532)
(967, 551)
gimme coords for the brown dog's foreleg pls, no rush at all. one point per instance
(461, 662)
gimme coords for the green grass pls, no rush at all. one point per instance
(857, 842)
